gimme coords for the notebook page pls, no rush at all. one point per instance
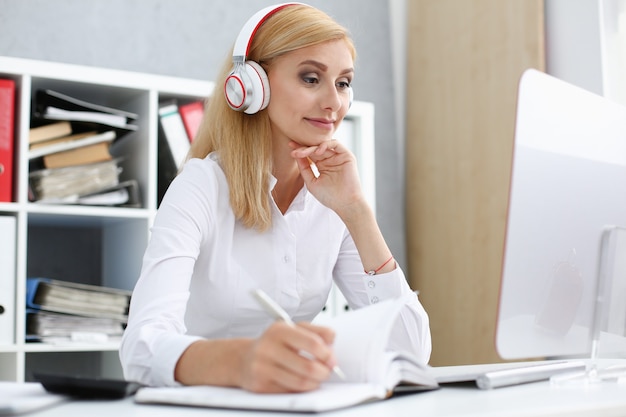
(361, 337)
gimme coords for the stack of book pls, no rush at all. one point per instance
(66, 310)
(70, 151)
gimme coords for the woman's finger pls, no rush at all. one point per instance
(325, 150)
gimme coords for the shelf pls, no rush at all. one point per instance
(60, 347)
(86, 244)
(82, 215)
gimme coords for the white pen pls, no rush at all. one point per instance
(272, 308)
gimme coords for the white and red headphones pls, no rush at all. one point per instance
(247, 88)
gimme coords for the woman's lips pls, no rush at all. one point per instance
(322, 123)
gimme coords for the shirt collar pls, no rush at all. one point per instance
(298, 203)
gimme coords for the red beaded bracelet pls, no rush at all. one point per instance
(375, 271)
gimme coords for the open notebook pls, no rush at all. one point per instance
(372, 372)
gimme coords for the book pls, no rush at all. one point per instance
(192, 114)
(86, 300)
(68, 143)
(53, 105)
(174, 131)
(7, 140)
(373, 372)
(58, 140)
(49, 131)
(53, 184)
(8, 232)
(88, 154)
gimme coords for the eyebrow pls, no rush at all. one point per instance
(324, 67)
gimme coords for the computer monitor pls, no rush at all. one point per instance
(568, 184)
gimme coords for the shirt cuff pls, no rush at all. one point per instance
(381, 287)
(169, 349)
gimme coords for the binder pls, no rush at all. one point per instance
(7, 121)
(174, 131)
(125, 194)
(167, 167)
(7, 279)
(191, 114)
(53, 105)
(78, 299)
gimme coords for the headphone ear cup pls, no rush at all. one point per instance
(259, 88)
(247, 88)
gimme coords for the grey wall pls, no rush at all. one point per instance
(190, 38)
(573, 43)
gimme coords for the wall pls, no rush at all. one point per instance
(573, 42)
(398, 22)
(190, 38)
(586, 44)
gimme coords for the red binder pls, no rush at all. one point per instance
(192, 116)
(7, 120)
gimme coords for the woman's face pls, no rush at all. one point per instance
(310, 92)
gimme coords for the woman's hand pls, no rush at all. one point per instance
(338, 186)
(288, 359)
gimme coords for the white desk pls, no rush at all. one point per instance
(535, 399)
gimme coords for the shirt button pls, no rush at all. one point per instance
(371, 284)
(286, 259)
(374, 300)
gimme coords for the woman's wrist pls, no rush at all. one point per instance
(387, 266)
(357, 213)
(213, 362)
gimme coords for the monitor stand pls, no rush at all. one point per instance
(607, 275)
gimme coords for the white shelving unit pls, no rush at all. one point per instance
(98, 245)
(102, 245)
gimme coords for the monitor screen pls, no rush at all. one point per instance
(568, 184)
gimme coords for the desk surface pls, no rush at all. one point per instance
(605, 399)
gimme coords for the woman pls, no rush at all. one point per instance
(249, 211)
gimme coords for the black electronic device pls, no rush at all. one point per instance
(86, 387)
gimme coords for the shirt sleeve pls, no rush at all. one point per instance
(412, 331)
(155, 337)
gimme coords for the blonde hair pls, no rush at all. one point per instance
(243, 141)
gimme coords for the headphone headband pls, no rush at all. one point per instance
(246, 35)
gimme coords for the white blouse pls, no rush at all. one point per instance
(201, 264)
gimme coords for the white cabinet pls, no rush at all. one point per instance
(93, 245)
(102, 245)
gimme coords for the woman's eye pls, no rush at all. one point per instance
(343, 84)
(310, 79)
